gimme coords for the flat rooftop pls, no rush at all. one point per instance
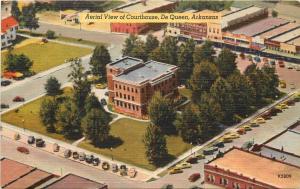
(125, 63)
(138, 7)
(289, 141)
(259, 26)
(280, 30)
(248, 164)
(288, 36)
(150, 71)
(295, 41)
(71, 181)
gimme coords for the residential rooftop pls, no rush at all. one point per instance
(279, 30)
(150, 70)
(260, 26)
(289, 141)
(288, 36)
(263, 169)
(71, 181)
(143, 6)
(7, 23)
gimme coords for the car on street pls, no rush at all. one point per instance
(123, 172)
(132, 172)
(67, 153)
(200, 156)
(290, 102)
(210, 151)
(39, 142)
(267, 115)
(23, 150)
(226, 139)
(194, 177)
(30, 140)
(282, 106)
(281, 64)
(184, 165)
(75, 155)
(247, 128)
(241, 131)
(219, 144)
(232, 135)
(276, 109)
(253, 124)
(260, 120)
(105, 166)
(96, 161)
(103, 101)
(18, 99)
(55, 147)
(4, 106)
(100, 86)
(89, 159)
(106, 93)
(192, 160)
(5, 83)
(290, 66)
(81, 156)
(175, 171)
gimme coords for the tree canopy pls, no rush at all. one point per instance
(99, 60)
(52, 86)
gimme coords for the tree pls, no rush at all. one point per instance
(97, 126)
(242, 92)
(155, 143)
(70, 120)
(274, 13)
(52, 87)
(151, 43)
(204, 75)
(273, 81)
(92, 102)
(188, 125)
(185, 60)
(81, 85)
(15, 11)
(226, 63)
(18, 63)
(204, 53)
(129, 44)
(48, 114)
(28, 18)
(162, 113)
(50, 34)
(210, 115)
(221, 91)
(138, 51)
(99, 60)
(157, 55)
(169, 50)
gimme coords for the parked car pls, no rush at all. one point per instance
(114, 168)
(192, 160)
(55, 147)
(103, 101)
(81, 156)
(18, 99)
(175, 171)
(210, 151)
(30, 140)
(132, 172)
(67, 153)
(123, 172)
(106, 93)
(184, 165)
(194, 177)
(290, 66)
(267, 115)
(96, 161)
(5, 83)
(23, 150)
(253, 124)
(123, 167)
(281, 64)
(241, 131)
(276, 110)
(89, 158)
(105, 166)
(75, 155)
(39, 142)
(232, 135)
(260, 120)
(3, 106)
(100, 86)
(219, 144)
(200, 156)
(247, 128)
(226, 139)
(290, 102)
(283, 106)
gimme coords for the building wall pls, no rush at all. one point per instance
(288, 48)
(214, 31)
(8, 37)
(196, 31)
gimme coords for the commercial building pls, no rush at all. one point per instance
(19, 175)
(9, 27)
(71, 181)
(239, 169)
(149, 6)
(132, 82)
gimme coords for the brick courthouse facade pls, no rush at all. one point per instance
(132, 83)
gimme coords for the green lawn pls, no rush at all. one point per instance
(48, 55)
(30, 114)
(128, 145)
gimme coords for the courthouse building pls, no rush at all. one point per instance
(132, 83)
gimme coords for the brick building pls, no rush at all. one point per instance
(239, 169)
(132, 82)
(143, 6)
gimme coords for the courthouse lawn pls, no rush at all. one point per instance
(30, 113)
(129, 146)
(48, 55)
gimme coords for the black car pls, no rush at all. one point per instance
(75, 155)
(96, 161)
(103, 102)
(3, 106)
(31, 140)
(89, 159)
(5, 82)
(219, 144)
(39, 142)
(106, 93)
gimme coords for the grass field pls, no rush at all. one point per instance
(48, 55)
(30, 114)
(128, 146)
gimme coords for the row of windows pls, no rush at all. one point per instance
(127, 88)
(124, 96)
(127, 105)
(225, 182)
(214, 30)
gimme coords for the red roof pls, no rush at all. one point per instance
(8, 23)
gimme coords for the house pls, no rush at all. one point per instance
(132, 83)
(9, 27)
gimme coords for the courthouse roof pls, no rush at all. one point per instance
(261, 168)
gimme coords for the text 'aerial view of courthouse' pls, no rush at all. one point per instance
(98, 105)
